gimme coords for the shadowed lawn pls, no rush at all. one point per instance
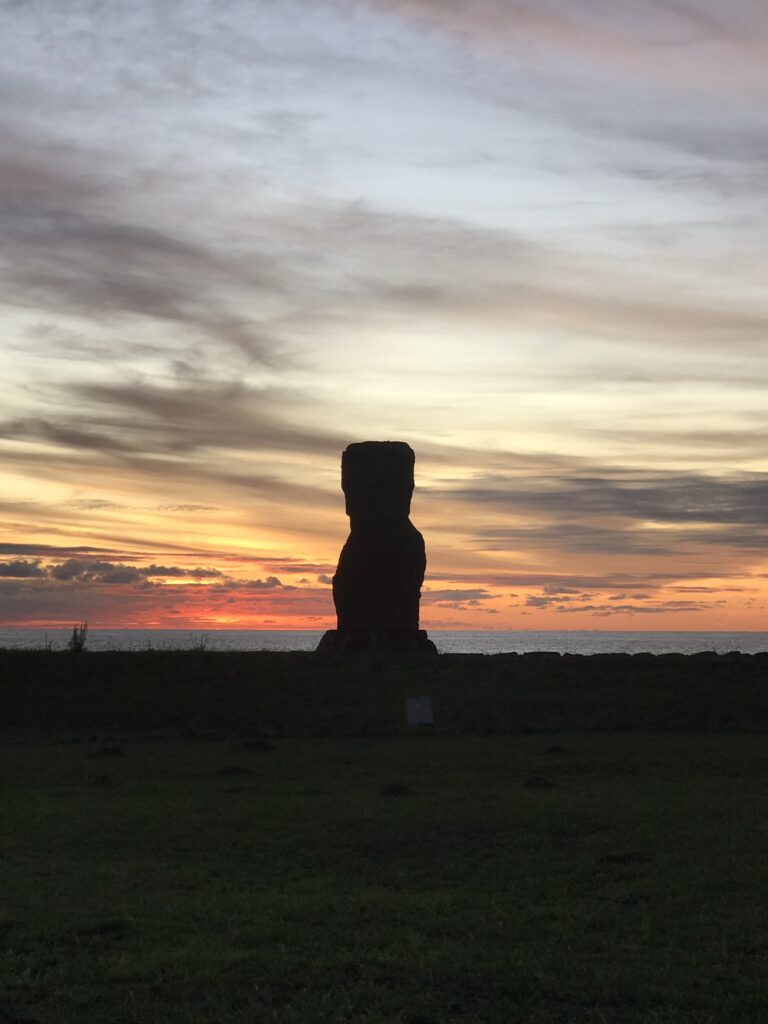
(55, 694)
(586, 877)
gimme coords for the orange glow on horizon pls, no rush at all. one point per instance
(273, 603)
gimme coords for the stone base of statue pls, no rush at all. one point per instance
(380, 641)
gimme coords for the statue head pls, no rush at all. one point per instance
(377, 480)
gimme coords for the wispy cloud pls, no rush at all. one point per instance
(638, 35)
(526, 237)
(618, 509)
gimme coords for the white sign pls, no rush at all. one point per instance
(418, 710)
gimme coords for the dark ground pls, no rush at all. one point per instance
(298, 694)
(207, 838)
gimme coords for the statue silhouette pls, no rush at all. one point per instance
(378, 581)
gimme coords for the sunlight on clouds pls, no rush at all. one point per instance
(526, 238)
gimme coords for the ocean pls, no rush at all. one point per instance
(447, 642)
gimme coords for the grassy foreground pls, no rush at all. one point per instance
(227, 859)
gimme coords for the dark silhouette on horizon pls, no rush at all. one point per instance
(377, 585)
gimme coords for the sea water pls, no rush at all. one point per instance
(447, 642)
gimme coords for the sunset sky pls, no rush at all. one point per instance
(528, 237)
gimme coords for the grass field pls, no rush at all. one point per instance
(156, 871)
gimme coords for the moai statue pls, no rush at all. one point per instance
(377, 585)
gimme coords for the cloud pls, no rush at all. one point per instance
(97, 571)
(458, 599)
(315, 267)
(42, 550)
(441, 267)
(582, 581)
(69, 262)
(297, 565)
(575, 538)
(186, 507)
(82, 571)
(21, 569)
(704, 590)
(465, 595)
(663, 608)
(235, 243)
(634, 37)
(618, 511)
(664, 92)
(170, 571)
(270, 583)
(132, 604)
(188, 436)
(574, 602)
(143, 416)
(69, 253)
